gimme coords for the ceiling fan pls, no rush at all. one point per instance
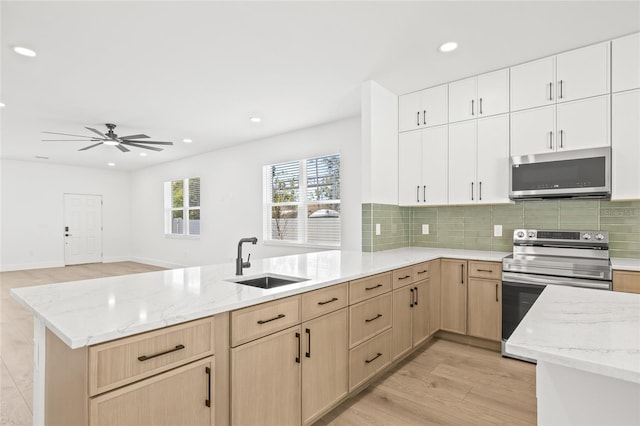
(110, 138)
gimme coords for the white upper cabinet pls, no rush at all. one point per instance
(462, 162)
(409, 168)
(481, 96)
(532, 131)
(576, 74)
(625, 145)
(425, 108)
(583, 124)
(625, 63)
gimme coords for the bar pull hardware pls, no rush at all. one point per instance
(411, 304)
(471, 191)
(207, 401)
(560, 95)
(373, 319)
(145, 357)
(424, 117)
(462, 273)
(418, 193)
(551, 140)
(416, 302)
(418, 118)
(378, 355)
(485, 270)
(480, 106)
(333, 299)
(424, 194)
(497, 293)
(308, 353)
(298, 357)
(271, 319)
(373, 288)
(550, 88)
(472, 106)
(480, 190)
(405, 277)
(561, 138)
(424, 271)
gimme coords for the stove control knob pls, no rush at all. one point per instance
(599, 237)
(520, 234)
(531, 234)
(586, 236)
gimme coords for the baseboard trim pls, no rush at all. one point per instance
(469, 340)
(35, 265)
(158, 262)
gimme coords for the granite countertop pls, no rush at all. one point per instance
(88, 312)
(591, 330)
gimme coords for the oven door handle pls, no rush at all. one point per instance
(521, 278)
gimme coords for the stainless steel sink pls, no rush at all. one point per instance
(268, 280)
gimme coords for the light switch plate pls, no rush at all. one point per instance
(377, 229)
(497, 230)
(425, 229)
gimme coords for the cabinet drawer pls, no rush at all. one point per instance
(626, 281)
(366, 288)
(256, 321)
(369, 358)
(369, 318)
(403, 276)
(489, 270)
(123, 361)
(323, 301)
(421, 271)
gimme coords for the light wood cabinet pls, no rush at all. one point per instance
(484, 309)
(265, 380)
(260, 320)
(481, 96)
(453, 305)
(366, 288)
(422, 167)
(403, 299)
(368, 358)
(403, 276)
(425, 108)
(183, 396)
(324, 301)
(625, 63)
(433, 296)
(625, 145)
(368, 318)
(627, 281)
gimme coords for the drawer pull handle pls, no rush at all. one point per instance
(373, 319)
(416, 302)
(373, 288)
(308, 353)
(485, 270)
(298, 356)
(207, 401)
(423, 272)
(333, 299)
(271, 319)
(378, 355)
(145, 357)
(405, 277)
(412, 299)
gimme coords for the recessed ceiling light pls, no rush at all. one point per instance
(255, 119)
(449, 46)
(1, 105)
(111, 164)
(143, 154)
(187, 140)
(111, 143)
(24, 51)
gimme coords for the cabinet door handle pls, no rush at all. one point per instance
(472, 107)
(298, 356)
(485, 270)
(372, 288)
(424, 271)
(561, 138)
(497, 293)
(418, 118)
(424, 194)
(333, 299)
(480, 190)
(480, 106)
(308, 353)
(424, 117)
(471, 191)
(405, 277)
(373, 319)
(271, 319)
(416, 302)
(367, 361)
(145, 357)
(550, 88)
(560, 95)
(418, 193)
(462, 273)
(207, 401)
(551, 140)
(411, 303)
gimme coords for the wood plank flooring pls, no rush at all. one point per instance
(445, 383)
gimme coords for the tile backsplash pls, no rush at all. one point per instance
(471, 227)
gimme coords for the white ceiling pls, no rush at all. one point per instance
(199, 70)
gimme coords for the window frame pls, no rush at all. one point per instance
(169, 209)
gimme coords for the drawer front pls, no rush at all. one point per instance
(117, 363)
(256, 321)
(369, 358)
(366, 319)
(489, 270)
(323, 301)
(421, 271)
(403, 276)
(369, 287)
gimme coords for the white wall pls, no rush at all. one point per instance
(32, 211)
(231, 196)
(379, 144)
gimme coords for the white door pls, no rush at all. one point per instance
(462, 100)
(493, 93)
(409, 114)
(434, 106)
(625, 63)
(625, 146)
(434, 165)
(583, 124)
(582, 73)
(533, 131)
(462, 163)
(409, 168)
(532, 84)
(493, 159)
(82, 229)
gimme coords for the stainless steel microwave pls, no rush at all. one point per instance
(582, 173)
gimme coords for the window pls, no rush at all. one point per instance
(302, 201)
(182, 207)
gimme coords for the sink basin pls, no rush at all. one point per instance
(268, 281)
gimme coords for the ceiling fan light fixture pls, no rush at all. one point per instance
(111, 143)
(24, 51)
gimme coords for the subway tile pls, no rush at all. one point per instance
(624, 253)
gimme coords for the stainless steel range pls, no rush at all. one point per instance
(550, 257)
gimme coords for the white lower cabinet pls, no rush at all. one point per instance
(625, 145)
(479, 161)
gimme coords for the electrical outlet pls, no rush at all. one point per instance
(377, 229)
(497, 230)
(425, 229)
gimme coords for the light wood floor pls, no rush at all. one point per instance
(445, 383)
(16, 331)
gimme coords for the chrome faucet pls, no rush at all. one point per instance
(239, 262)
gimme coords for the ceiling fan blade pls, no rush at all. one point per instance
(141, 136)
(89, 147)
(140, 146)
(122, 148)
(70, 140)
(67, 134)
(151, 142)
(97, 132)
